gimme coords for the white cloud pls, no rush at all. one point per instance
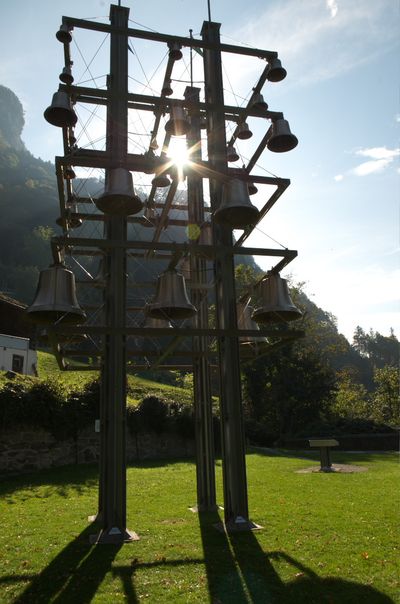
(370, 167)
(338, 177)
(332, 6)
(378, 152)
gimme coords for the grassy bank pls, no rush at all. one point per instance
(330, 538)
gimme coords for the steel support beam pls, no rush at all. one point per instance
(205, 456)
(233, 440)
(112, 513)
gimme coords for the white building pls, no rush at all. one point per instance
(15, 355)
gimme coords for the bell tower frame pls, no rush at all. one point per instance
(113, 248)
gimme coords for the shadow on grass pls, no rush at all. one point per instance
(74, 575)
(239, 571)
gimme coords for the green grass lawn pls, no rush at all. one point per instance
(326, 538)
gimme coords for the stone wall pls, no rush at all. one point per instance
(27, 449)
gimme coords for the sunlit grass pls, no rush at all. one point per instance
(326, 538)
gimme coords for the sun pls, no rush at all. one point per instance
(178, 152)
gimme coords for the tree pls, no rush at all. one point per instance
(386, 405)
(351, 399)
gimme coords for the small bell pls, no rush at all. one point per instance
(154, 144)
(175, 51)
(74, 221)
(243, 131)
(55, 299)
(244, 320)
(171, 300)
(161, 179)
(119, 196)
(231, 153)
(150, 162)
(277, 306)
(276, 72)
(60, 112)
(252, 189)
(69, 173)
(66, 76)
(178, 123)
(236, 209)
(280, 138)
(64, 34)
(258, 103)
(166, 89)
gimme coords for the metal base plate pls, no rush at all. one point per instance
(113, 536)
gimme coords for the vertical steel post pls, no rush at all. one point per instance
(205, 458)
(233, 440)
(113, 467)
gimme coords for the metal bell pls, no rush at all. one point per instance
(74, 221)
(167, 90)
(64, 34)
(236, 209)
(175, 51)
(276, 72)
(258, 102)
(244, 321)
(171, 300)
(161, 179)
(60, 112)
(280, 138)
(178, 124)
(277, 306)
(69, 173)
(231, 153)
(154, 144)
(243, 131)
(119, 195)
(66, 76)
(55, 299)
(252, 189)
(151, 161)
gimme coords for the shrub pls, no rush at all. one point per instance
(153, 413)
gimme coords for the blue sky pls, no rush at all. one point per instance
(341, 97)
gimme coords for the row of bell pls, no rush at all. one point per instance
(56, 303)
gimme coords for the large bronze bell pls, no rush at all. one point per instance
(231, 153)
(277, 306)
(276, 72)
(178, 124)
(236, 209)
(280, 138)
(244, 321)
(171, 300)
(55, 299)
(66, 76)
(258, 103)
(243, 131)
(74, 221)
(60, 112)
(161, 179)
(119, 196)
